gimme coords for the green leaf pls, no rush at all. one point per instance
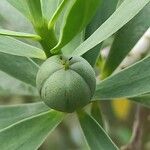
(29, 134)
(18, 88)
(31, 9)
(73, 44)
(57, 13)
(130, 82)
(106, 8)
(36, 12)
(127, 10)
(2, 20)
(12, 114)
(95, 135)
(15, 47)
(22, 6)
(96, 113)
(14, 20)
(143, 100)
(49, 7)
(77, 16)
(125, 40)
(19, 34)
(22, 68)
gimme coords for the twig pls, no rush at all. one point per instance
(138, 126)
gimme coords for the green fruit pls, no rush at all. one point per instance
(66, 84)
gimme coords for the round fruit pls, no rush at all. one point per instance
(66, 83)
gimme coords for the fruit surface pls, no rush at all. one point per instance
(66, 83)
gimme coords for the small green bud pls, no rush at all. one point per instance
(66, 83)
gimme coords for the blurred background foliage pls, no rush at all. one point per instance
(118, 114)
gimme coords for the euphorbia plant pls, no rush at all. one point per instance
(70, 33)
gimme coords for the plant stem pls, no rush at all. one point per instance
(138, 127)
(48, 37)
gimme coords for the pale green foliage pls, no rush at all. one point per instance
(36, 127)
(94, 132)
(127, 10)
(15, 47)
(76, 28)
(81, 12)
(133, 82)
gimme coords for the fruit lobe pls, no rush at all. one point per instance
(66, 83)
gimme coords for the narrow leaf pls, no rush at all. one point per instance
(96, 113)
(143, 100)
(19, 88)
(73, 44)
(19, 34)
(22, 6)
(130, 82)
(31, 9)
(125, 40)
(49, 7)
(21, 68)
(12, 114)
(31, 132)
(95, 135)
(78, 15)
(106, 8)
(15, 47)
(36, 11)
(57, 13)
(127, 10)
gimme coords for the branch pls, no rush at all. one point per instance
(138, 126)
